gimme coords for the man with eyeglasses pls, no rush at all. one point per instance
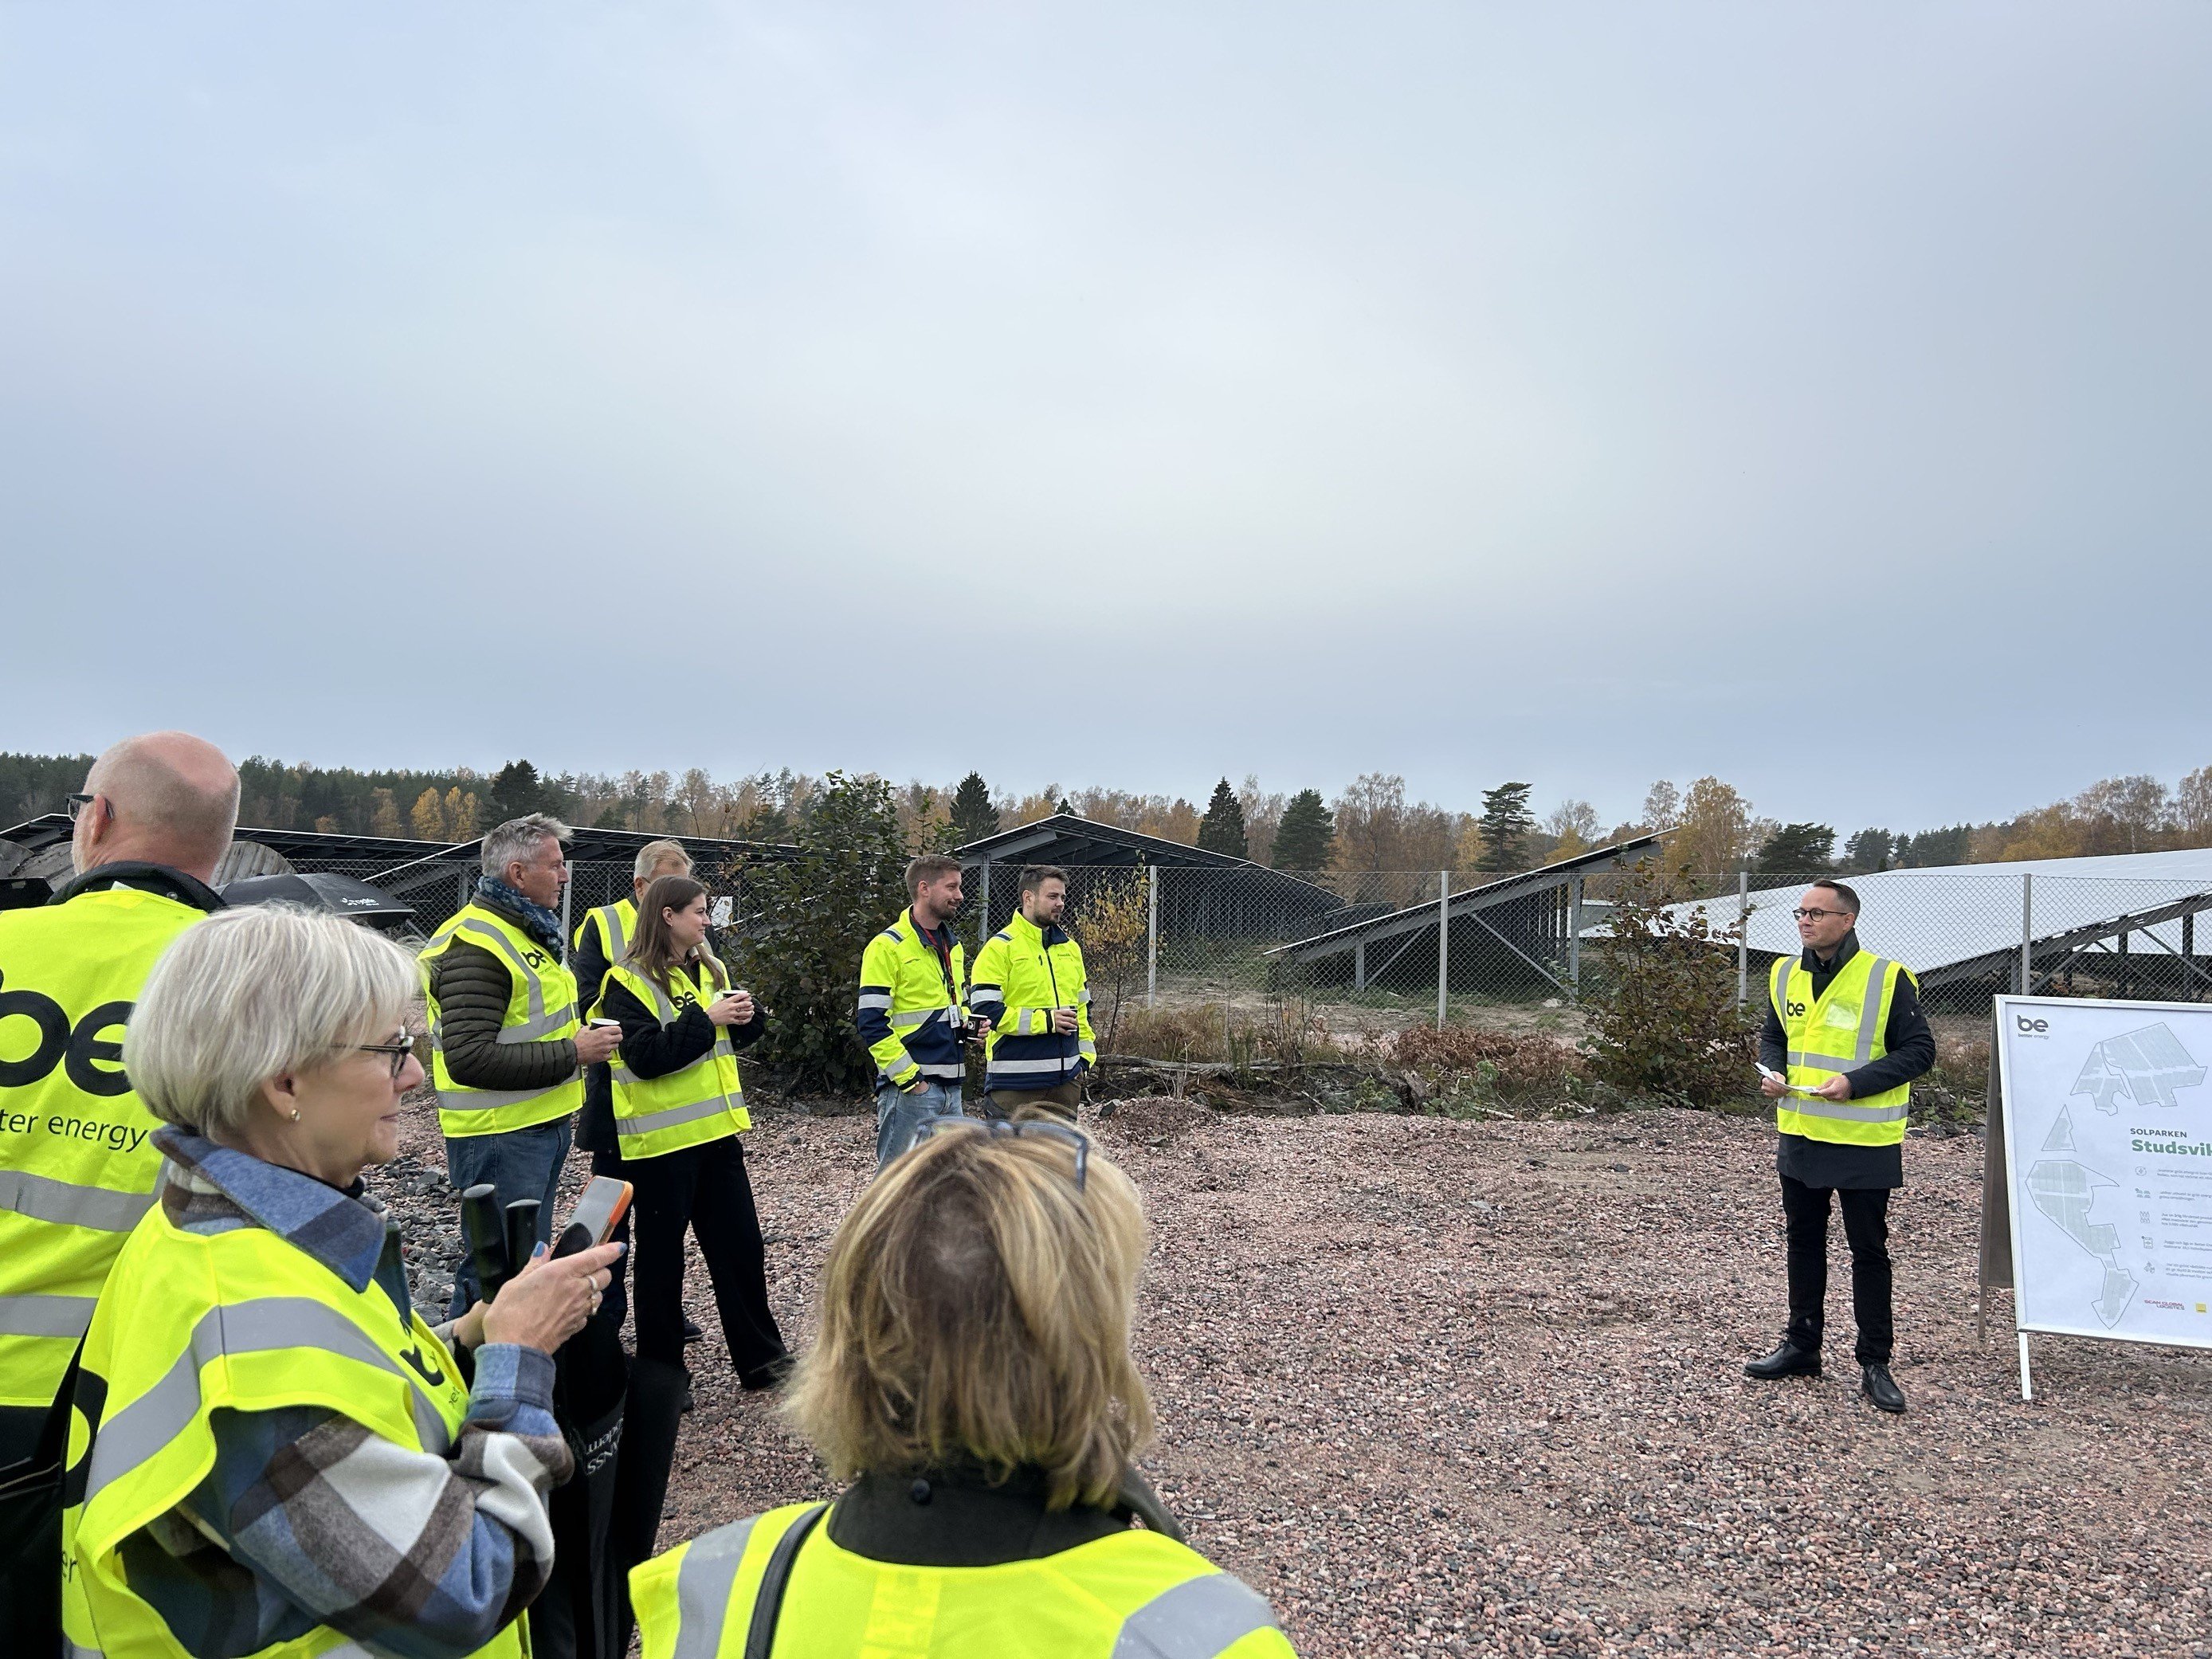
(1845, 1038)
(77, 1161)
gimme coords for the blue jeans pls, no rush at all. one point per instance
(520, 1163)
(899, 1115)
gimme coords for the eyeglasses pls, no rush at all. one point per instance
(1814, 915)
(77, 803)
(998, 1126)
(399, 1050)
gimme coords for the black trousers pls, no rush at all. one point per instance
(703, 1190)
(1866, 1228)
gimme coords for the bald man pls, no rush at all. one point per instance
(77, 1164)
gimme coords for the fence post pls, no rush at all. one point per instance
(1575, 937)
(465, 884)
(1743, 937)
(1443, 942)
(1152, 934)
(568, 888)
(2026, 930)
(983, 919)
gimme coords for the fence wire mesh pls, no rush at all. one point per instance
(1376, 950)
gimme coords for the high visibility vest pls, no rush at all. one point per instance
(703, 1101)
(77, 1161)
(1018, 980)
(910, 1013)
(1131, 1592)
(541, 1005)
(191, 1324)
(617, 926)
(1838, 1032)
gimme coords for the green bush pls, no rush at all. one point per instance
(800, 952)
(1665, 1021)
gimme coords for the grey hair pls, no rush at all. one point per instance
(518, 838)
(253, 994)
(655, 854)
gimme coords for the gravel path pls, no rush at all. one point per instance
(1475, 1388)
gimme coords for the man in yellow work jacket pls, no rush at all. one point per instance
(1029, 980)
(77, 1163)
(508, 1046)
(909, 1011)
(1845, 1038)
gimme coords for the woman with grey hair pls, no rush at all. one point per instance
(283, 1455)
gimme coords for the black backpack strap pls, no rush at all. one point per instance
(768, 1603)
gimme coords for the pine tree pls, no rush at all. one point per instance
(1306, 838)
(1222, 829)
(1870, 849)
(1504, 824)
(1798, 849)
(1065, 809)
(516, 791)
(973, 815)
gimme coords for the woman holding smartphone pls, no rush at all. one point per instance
(678, 1110)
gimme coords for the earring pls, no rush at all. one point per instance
(296, 1114)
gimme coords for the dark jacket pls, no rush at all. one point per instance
(595, 1123)
(1909, 1049)
(651, 1049)
(472, 986)
(957, 1518)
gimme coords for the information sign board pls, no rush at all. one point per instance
(2107, 1128)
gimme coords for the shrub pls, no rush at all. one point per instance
(1510, 1061)
(800, 952)
(1665, 1021)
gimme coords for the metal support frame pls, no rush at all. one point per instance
(567, 888)
(1743, 937)
(2026, 947)
(1484, 921)
(2026, 1384)
(1152, 934)
(465, 884)
(1443, 943)
(1574, 938)
(1359, 966)
(983, 907)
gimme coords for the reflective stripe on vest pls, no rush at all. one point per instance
(1877, 1120)
(1132, 1596)
(541, 1007)
(77, 1161)
(704, 1102)
(194, 1324)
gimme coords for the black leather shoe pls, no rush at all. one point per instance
(1788, 1360)
(1881, 1388)
(691, 1331)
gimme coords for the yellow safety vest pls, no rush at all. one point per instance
(191, 1324)
(703, 1101)
(1839, 1030)
(77, 1161)
(1029, 979)
(1132, 1593)
(617, 924)
(917, 994)
(541, 1005)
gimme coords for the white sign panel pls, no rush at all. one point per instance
(2108, 1153)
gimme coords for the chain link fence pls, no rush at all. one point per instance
(1348, 953)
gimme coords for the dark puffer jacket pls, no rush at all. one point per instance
(472, 986)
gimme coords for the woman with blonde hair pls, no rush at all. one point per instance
(679, 1108)
(973, 1382)
(283, 1458)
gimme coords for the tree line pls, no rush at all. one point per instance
(1368, 826)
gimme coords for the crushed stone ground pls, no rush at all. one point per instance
(1442, 1386)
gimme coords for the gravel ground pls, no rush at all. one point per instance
(1475, 1388)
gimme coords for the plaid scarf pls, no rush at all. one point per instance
(540, 923)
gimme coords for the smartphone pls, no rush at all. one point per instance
(605, 1202)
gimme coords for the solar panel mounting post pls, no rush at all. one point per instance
(1443, 941)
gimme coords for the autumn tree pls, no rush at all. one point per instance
(1714, 832)
(384, 815)
(429, 816)
(1573, 828)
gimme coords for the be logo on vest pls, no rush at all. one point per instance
(91, 1060)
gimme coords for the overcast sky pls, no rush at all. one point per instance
(1818, 395)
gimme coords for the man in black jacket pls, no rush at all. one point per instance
(1830, 1146)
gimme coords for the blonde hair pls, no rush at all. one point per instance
(250, 994)
(975, 1307)
(655, 853)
